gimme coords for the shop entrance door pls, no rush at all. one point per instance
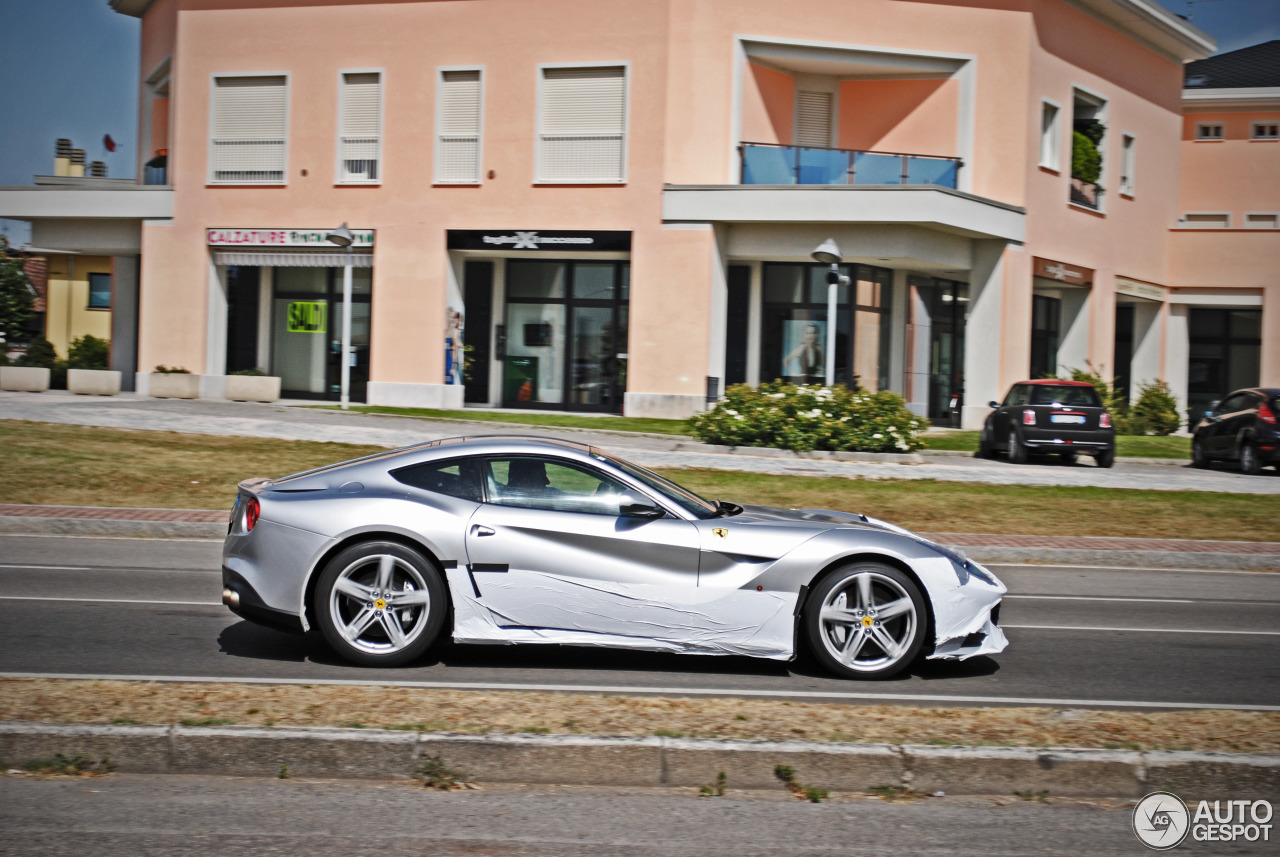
(306, 327)
(566, 335)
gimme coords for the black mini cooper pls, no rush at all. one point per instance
(1061, 417)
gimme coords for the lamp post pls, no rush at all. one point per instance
(342, 237)
(828, 253)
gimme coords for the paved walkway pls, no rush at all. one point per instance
(210, 416)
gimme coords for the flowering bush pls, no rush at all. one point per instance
(786, 416)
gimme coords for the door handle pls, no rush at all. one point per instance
(481, 530)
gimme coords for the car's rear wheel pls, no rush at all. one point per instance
(866, 620)
(1250, 463)
(1106, 458)
(1017, 451)
(380, 603)
(1199, 458)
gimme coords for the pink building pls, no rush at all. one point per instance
(611, 206)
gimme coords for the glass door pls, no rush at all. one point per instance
(306, 327)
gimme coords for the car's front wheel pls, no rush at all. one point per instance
(1198, 456)
(380, 603)
(866, 620)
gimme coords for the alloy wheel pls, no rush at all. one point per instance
(379, 604)
(868, 622)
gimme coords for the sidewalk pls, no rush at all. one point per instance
(16, 519)
(292, 422)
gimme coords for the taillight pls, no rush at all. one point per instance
(251, 510)
(1028, 418)
(1267, 415)
(1104, 421)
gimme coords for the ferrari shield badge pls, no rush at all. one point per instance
(720, 531)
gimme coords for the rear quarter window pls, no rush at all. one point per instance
(459, 477)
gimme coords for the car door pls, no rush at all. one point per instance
(548, 549)
(1226, 424)
(1007, 414)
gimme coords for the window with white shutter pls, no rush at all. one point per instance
(582, 134)
(249, 135)
(458, 127)
(360, 142)
(813, 119)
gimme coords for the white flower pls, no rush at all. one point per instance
(814, 414)
(877, 435)
(739, 417)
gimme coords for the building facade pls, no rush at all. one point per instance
(619, 214)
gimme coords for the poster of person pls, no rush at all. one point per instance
(453, 348)
(804, 359)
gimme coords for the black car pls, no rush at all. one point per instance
(1062, 417)
(1243, 427)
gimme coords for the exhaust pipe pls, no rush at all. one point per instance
(231, 598)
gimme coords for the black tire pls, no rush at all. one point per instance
(379, 568)
(904, 632)
(984, 448)
(1106, 458)
(1250, 462)
(1199, 458)
(1069, 457)
(1017, 450)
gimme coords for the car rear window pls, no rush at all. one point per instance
(1065, 394)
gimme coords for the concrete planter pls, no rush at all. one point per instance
(253, 388)
(24, 379)
(173, 385)
(93, 382)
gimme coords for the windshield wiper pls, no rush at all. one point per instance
(724, 509)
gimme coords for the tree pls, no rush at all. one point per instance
(17, 296)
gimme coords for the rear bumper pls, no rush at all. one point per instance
(244, 601)
(1047, 439)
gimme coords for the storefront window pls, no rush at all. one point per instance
(940, 309)
(1225, 354)
(1046, 319)
(306, 330)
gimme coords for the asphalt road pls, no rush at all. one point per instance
(1078, 636)
(162, 815)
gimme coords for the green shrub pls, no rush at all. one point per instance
(1156, 411)
(89, 352)
(171, 370)
(1086, 160)
(800, 418)
(40, 352)
(257, 373)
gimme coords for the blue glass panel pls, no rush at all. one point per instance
(768, 165)
(931, 171)
(821, 166)
(877, 169)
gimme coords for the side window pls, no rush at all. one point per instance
(459, 477)
(1238, 402)
(531, 482)
(1017, 396)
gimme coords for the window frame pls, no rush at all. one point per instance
(339, 161)
(89, 304)
(1183, 223)
(435, 166)
(1201, 137)
(542, 69)
(1053, 135)
(1272, 214)
(1267, 123)
(214, 77)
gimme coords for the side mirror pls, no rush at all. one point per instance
(631, 506)
(1213, 406)
(993, 404)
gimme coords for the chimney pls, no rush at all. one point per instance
(98, 169)
(77, 163)
(62, 157)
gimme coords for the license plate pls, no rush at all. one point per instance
(1066, 418)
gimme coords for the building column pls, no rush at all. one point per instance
(1269, 376)
(984, 329)
(1144, 365)
(124, 319)
(1177, 353)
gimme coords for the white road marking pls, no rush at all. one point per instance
(1103, 598)
(107, 600)
(641, 689)
(1140, 630)
(1031, 566)
(47, 567)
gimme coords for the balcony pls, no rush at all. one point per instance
(773, 164)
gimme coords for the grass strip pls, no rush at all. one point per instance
(595, 422)
(1127, 446)
(511, 712)
(46, 463)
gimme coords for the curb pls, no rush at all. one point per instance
(648, 761)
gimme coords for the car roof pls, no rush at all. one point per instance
(1057, 383)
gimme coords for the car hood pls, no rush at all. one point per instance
(820, 519)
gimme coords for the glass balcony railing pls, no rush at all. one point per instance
(768, 163)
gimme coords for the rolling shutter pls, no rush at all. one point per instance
(361, 126)
(813, 119)
(250, 115)
(584, 120)
(458, 135)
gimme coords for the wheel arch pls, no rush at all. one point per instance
(313, 575)
(802, 608)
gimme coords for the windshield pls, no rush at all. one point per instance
(682, 497)
(1053, 394)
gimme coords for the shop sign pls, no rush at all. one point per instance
(538, 240)
(283, 238)
(1051, 269)
(308, 317)
(1134, 289)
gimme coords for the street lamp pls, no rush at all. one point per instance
(828, 253)
(342, 237)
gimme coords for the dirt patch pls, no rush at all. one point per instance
(196, 704)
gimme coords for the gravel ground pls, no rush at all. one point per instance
(298, 423)
(430, 710)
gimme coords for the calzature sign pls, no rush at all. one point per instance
(283, 238)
